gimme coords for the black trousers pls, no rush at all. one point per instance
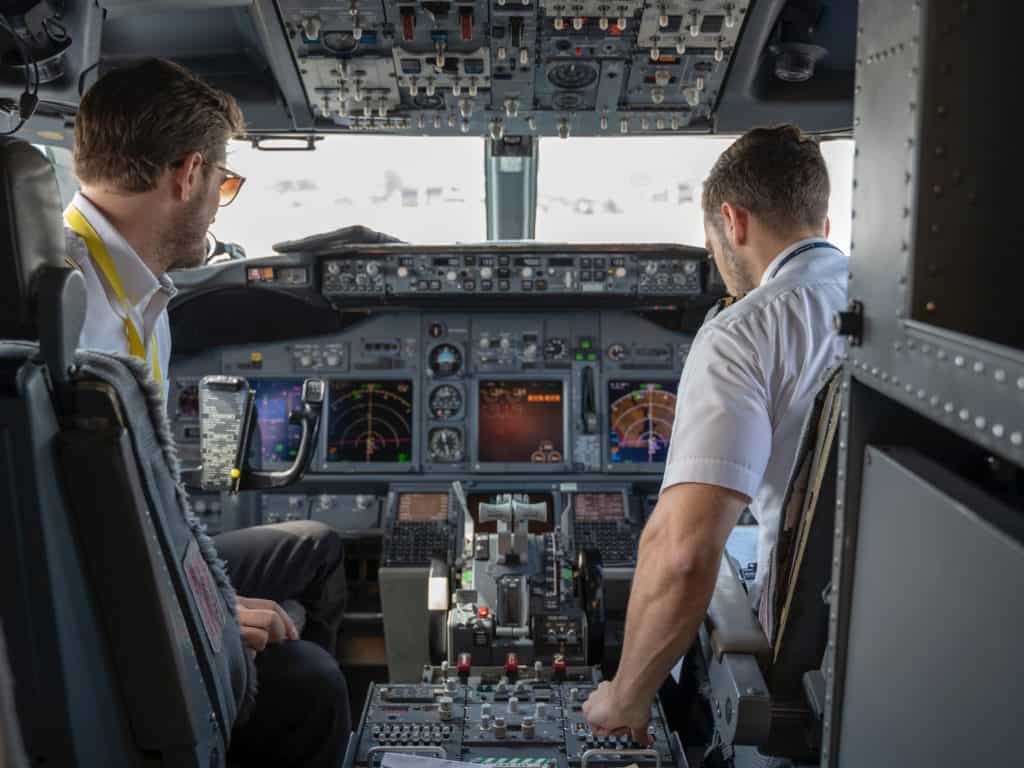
(302, 714)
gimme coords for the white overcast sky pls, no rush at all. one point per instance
(431, 190)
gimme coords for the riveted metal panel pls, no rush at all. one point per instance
(930, 376)
(935, 258)
(928, 667)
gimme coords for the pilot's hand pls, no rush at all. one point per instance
(263, 623)
(610, 713)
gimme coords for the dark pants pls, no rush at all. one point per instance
(302, 714)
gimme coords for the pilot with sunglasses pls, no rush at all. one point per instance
(150, 155)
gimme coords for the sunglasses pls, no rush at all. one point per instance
(229, 187)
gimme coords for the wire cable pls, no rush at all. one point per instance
(30, 96)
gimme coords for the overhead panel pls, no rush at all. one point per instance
(513, 67)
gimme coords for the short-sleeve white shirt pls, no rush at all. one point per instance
(749, 381)
(147, 294)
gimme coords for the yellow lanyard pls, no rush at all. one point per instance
(101, 256)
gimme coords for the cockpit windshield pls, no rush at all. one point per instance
(648, 190)
(433, 190)
(418, 189)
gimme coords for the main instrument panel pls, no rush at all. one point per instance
(417, 392)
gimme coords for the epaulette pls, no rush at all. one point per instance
(723, 303)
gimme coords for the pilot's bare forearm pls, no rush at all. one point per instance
(680, 551)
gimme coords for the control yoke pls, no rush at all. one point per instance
(226, 421)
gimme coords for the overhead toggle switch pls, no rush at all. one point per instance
(577, 23)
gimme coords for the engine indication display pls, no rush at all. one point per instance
(521, 422)
(370, 422)
(640, 415)
(276, 399)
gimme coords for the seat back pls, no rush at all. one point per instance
(65, 690)
(759, 666)
(112, 660)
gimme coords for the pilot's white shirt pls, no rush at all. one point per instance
(749, 382)
(147, 294)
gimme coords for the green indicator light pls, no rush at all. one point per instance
(585, 344)
(403, 458)
(567, 573)
(591, 356)
(579, 355)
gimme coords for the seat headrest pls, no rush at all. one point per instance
(32, 232)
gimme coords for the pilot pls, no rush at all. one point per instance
(150, 154)
(745, 390)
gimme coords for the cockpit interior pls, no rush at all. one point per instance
(446, 319)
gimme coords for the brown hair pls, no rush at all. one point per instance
(138, 120)
(778, 174)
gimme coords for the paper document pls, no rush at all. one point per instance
(406, 760)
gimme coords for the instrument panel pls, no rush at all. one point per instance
(423, 393)
(513, 66)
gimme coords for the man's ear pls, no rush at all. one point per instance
(737, 223)
(186, 178)
(828, 225)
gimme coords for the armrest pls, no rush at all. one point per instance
(732, 623)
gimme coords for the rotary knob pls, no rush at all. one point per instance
(333, 268)
(332, 359)
(486, 273)
(403, 272)
(452, 276)
(505, 344)
(527, 273)
(651, 267)
(372, 268)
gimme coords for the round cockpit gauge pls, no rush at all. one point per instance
(445, 402)
(445, 360)
(445, 445)
(555, 349)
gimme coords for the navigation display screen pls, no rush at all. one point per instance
(370, 422)
(640, 416)
(598, 507)
(422, 507)
(521, 422)
(276, 399)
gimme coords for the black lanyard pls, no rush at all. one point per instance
(802, 249)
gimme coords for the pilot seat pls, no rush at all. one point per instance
(762, 670)
(120, 623)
